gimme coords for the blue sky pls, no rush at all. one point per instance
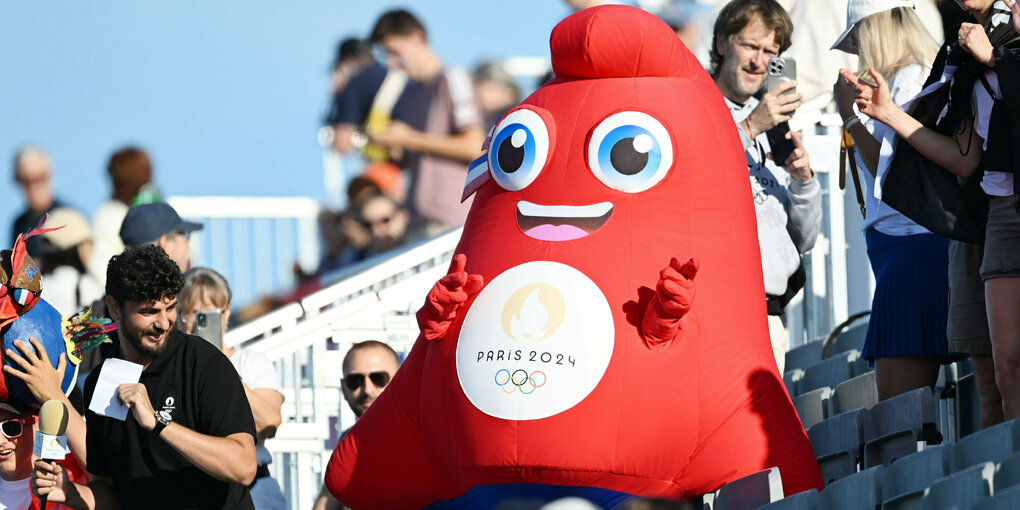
(226, 96)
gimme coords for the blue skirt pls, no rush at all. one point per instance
(911, 303)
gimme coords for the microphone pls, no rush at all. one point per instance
(51, 438)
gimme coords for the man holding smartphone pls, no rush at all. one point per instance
(787, 202)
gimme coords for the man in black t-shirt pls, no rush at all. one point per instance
(189, 439)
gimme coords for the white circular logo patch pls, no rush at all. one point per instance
(535, 342)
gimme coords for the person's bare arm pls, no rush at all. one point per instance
(265, 408)
(867, 146)
(50, 479)
(43, 381)
(326, 501)
(960, 154)
(229, 459)
(463, 146)
(342, 137)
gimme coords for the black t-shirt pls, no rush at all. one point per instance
(198, 385)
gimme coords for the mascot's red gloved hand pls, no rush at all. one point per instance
(446, 297)
(674, 295)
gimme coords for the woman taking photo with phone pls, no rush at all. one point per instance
(205, 295)
(970, 133)
(907, 331)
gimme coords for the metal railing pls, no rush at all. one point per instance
(253, 241)
(375, 299)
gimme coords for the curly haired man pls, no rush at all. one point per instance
(189, 440)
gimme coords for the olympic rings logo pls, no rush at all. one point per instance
(520, 379)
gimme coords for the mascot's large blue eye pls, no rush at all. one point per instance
(630, 151)
(519, 149)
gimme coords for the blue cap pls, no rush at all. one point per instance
(146, 223)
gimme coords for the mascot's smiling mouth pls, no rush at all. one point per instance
(561, 222)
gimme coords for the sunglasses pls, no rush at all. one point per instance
(355, 381)
(23, 298)
(12, 428)
(381, 221)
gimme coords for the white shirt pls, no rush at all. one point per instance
(997, 184)
(903, 87)
(69, 291)
(16, 495)
(256, 371)
(106, 237)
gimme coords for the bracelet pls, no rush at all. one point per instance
(851, 122)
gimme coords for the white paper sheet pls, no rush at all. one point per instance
(114, 373)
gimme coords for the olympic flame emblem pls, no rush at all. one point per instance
(533, 312)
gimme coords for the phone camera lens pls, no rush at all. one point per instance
(200, 320)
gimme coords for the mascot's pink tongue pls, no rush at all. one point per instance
(549, 232)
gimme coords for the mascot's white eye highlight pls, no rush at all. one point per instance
(519, 149)
(630, 151)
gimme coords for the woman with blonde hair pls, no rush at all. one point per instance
(906, 336)
(207, 290)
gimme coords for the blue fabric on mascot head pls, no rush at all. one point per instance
(44, 323)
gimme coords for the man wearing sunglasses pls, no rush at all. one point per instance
(368, 368)
(189, 438)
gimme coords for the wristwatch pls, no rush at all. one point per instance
(163, 418)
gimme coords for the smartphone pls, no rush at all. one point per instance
(780, 70)
(781, 147)
(208, 326)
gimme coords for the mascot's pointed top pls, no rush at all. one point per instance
(618, 41)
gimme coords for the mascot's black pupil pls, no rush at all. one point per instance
(626, 159)
(510, 157)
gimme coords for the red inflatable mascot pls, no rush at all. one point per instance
(602, 329)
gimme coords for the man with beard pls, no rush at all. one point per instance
(368, 368)
(198, 449)
(787, 203)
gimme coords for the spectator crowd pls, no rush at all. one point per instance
(914, 103)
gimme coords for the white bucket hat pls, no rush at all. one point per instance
(857, 10)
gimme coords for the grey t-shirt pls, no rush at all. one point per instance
(443, 106)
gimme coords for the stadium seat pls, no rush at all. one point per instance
(849, 340)
(750, 492)
(859, 491)
(1005, 499)
(855, 393)
(832, 371)
(837, 444)
(791, 378)
(1008, 474)
(894, 427)
(813, 406)
(968, 406)
(962, 489)
(807, 500)
(989, 445)
(904, 481)
(805, 355)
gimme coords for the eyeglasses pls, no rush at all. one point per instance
(355, 381)
(22, 298)
(12, 428)
(381, 221)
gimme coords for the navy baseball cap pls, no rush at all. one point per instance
(146, 223)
